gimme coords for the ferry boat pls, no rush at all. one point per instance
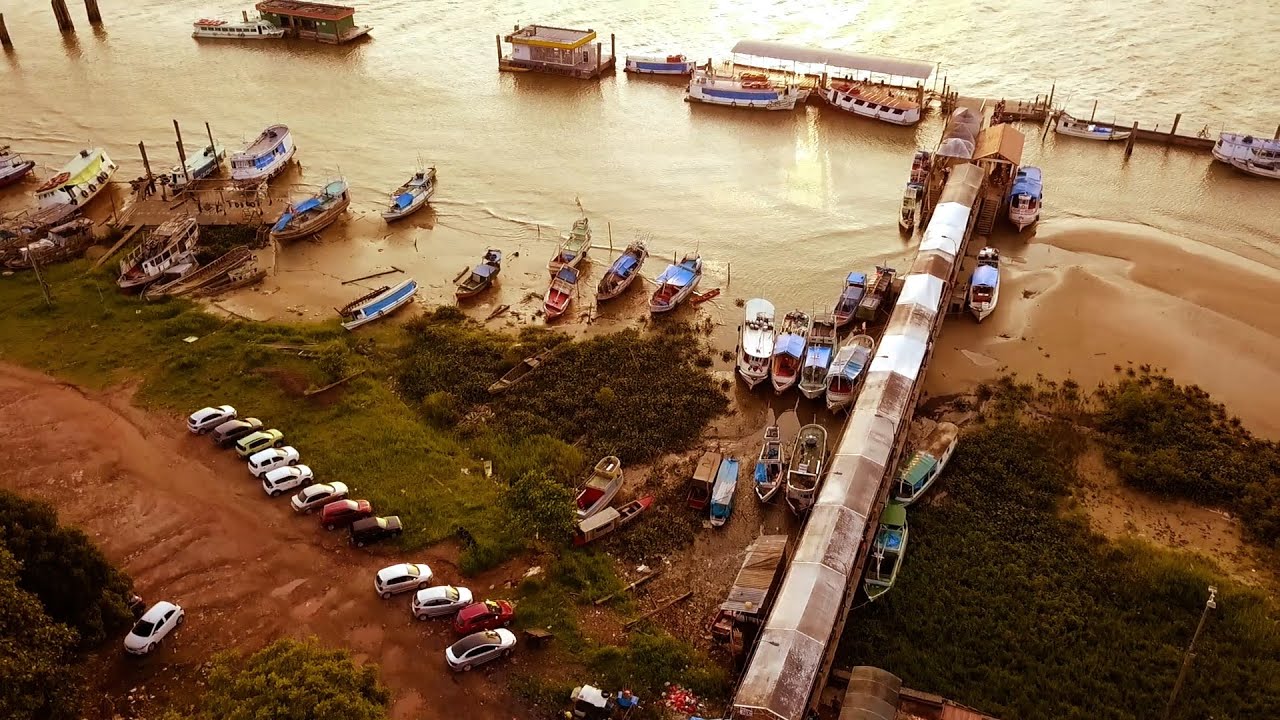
(872, 100)
(984, 285)
(675, 284)
(265, 157)
(911, 196)
(659, 65)
(257, 29)
(198, 166)
(1233, 147)
(755, 342)
(1068, 125)
(313, 214)
(751, 90)
(80, 180)
(167, 248)
(1025, 198)
(13, 167)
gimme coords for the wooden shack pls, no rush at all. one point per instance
(998, 152)
(558, 51)
(747, 605)
(322, 22)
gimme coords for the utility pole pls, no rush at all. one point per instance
(1210, 604)
(35, 266)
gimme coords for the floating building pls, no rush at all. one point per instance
(313, 21)
(558, 51)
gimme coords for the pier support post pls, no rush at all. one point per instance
(599, 50)
(213, 148)
(62, 15)
(1128, 145)
(1052, 89)
(91, 9)
(1277, 137)
(613, 47)
(498, 40)
(1173, 130)
(182, 153)
(4, 34)
(1095, 111)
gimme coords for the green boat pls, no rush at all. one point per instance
(887, 551)
(926, 464)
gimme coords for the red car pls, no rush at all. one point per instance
(344, 512)
(487, 615)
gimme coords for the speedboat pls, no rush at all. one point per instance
(984, 285)
(1025, 198)
(755, 342)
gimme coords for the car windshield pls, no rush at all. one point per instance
(144, 628)
(412, 570)
(451, 593)
(491, 606)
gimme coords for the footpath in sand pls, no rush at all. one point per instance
(190, 524)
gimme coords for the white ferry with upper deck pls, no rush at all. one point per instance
(872, 100)
(257, 29)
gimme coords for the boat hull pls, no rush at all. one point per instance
(1253, 168)
(645, 66)
(281, 152)
(783, 383)
(620, 288)
(838, 401)
(657, 307)
(1023, 220)
(981, 311)
(313, 225)
(750, 376)
(845, 102)
(383, 305)
(15, 173)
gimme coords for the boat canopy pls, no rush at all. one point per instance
(850, 361)
(920, 468)
(625, 264)
(484, 270)
(389, 299)
(567, 274)
(283, 222)
(404, 200)
(337, 187)
(918, 69)
(599, 520)
(895, 515)
(856, 278)
(985, 275)
(1028, 183)
(818, 357)
(676, 275)
(789, 344)
(726, 482)
(310, 203)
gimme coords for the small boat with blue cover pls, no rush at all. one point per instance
(198, 166)
(313, 214)
(411, 196)
(855, 286)
(623, 271)
(817, 357)
(771, 466)
(723, 491)
(984, 284)
(560, 292)
(379, 304)
(482, 275)
(675, 284)
(788, 350)
(659, 65)
(887, 551)
(1025, 198)
(845, 374)
(926, 464)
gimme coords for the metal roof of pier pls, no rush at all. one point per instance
(919, 69)
(309, 10)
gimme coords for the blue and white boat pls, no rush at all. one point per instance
(984, 284)
(411, 196)
(1025, 198)
(817, 358)
(265, 157)
(198, 167)
(845, 374)
(751, 90)
(788, 350)
(675, 284)
(771, 466)
(379, 305)
(623, 271)
(722, 492)
(855, 286)
(755, 342)
(1068, 125)
(659, 65)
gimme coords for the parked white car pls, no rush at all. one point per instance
(154, 625)
(402, 577)
(281, 480)
(272, 458)
(206, 419)
(439, 601)
(479, 648)
(314, 497)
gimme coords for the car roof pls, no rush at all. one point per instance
(473, 610)
(285, 471)
(443, 591)
(365, 523)
(475, 640)
(392, 522)
(158, 611)
(318, 488)
(265, 454)
(345, 503)
(414, 569)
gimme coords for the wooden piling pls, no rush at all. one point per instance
(1277, 137)
(4, 34)
(498, 40)
(613, 47)
(213, 148)
(91, 9)
(142, 148)
(1133, 135)
(599, 50)
(182, 152)
(1173, 130)
(1052, 89)
(62, 15)
(1095, 111)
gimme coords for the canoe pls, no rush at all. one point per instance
(313, 214)
(481, 276)
(609, 519)
(600, 488)
(771, 466)
(412, 196)
(622, 272)
(368, 309)
(520, 371)
(723, 491)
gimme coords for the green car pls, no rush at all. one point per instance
(260, 440)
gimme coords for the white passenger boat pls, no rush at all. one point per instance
(872, 100)
(659, 65)
(1232, 148)
(198, 167)
(984, 285)
(1025, 198)
(80, 180)
(755, 342)
(370, 308)
(1068, 125)
(751, 90)
(788, 350)
(1261, 168)
(257, 29)
(169, 249)
(265, 157)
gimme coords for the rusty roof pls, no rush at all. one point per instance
(1001, 142)
(309, 10)
(751, 588)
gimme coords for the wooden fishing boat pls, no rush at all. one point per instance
(817, 356)
(984, 284)
(723, 491)
(1067, 125)
(771, 466)
(855, 286)
(675, 284)
(887, 551)
(313, 214)
(926, 464)
(560, 292)
(169, 245)
(873, 300)
(573, 247)
(600, 488)
(206, 275)
(704, 475)
(64, 242)
(788, 350)
(608, 520)
(846, 373)
(808, 461)
(481, 276)
(520, 371)
(367, 309)
(243, 276)
(622, 272)
(873, 100)
(411, 196)
(911, 196)
(13, 167)
(264, 158)
(755, 342)
(921, 163)
(1026, 197)
(199, 166)
(80, 181)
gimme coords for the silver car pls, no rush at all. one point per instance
(439, 601)
(479, 648)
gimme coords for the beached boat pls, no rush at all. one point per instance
(911, 196)
(808, 461)
(887, 551)
(659, 65)
(412, 196)
(608, 520)
(926, 464)
(755, 342)
(520, 371)
(855, 286)
(676, 283)
(846, 373)
(771, 466)
(788, 350)
(921, 163)
(481, 276)
(172, 244)
(623, 271)
(199, 166)
(264, 158)
(872, 100)
(723, 491)
(749, 90)
(13, 167)
(877, 292)
(1261, 168)
(375, 306)
(984, 284)
(817, 356)
(64, 242)
(1068, 125)
(573, 247)
(1234, 147)
(1025, 198)
(600, 489)
(79, 181)
(238, 277)
(257, 29)
(704, 476)
(560, 292)
(207, 275)
(313, 214)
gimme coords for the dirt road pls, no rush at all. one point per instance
(190, 524)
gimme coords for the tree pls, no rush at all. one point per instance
(292, 680)
(541, 507)
(70, 576)
(38, 676)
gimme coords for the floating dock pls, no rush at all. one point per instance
(557, 51)
(333, 24)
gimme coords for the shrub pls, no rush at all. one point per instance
(39, 674)
(540, 508)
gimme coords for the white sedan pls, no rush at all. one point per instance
(272, 458)
(479, 648)
(205, 419)
(152, 627)
(402, 577)
(286, 478)
(439, 600)
(317, 496)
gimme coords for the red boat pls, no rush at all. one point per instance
(560, 293)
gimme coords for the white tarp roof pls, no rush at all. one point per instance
(835, 58)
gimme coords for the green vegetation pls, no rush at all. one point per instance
(38, 674)
(1008, 604)
(216, 240)
(541, 508)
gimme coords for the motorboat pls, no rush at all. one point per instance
(808, 461)
(1235, 147)
(659, 65)
(755, 342)
(788, 350)
(847, 371)
(412, 196)
(560, 292)
(749, 90)
(855, 286)
(313, 214)
(872, 100)
(722, 493)
(481, 276)
(264, 158)
(378, 304)
(199, 166)
(771, 466)
(912, 194)
(13, 167)
(605, 481)
(1025, 198)
(675, 284)
(926, 463)
(215, 29)
(984, 284)
(887, 550)
(623, 272)
(1067, 125)
(80, 180)
(817, 356)
(573, 248)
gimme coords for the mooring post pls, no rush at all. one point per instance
(1095, 111)
(213, 148)
(498, 40)
(4, 34)
(91, 9)
(613, 47)
(1133, 134)
(1277, 137)
(142, 148)
(62, 15)
(182, 152)
(1176, 119)
(599, 50)
(1052, 88)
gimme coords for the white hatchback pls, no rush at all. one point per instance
(317, 496)
(205, 419)
(272, 458)
(280, 480)
(402, 577)
(152, 627)
(439, 601)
